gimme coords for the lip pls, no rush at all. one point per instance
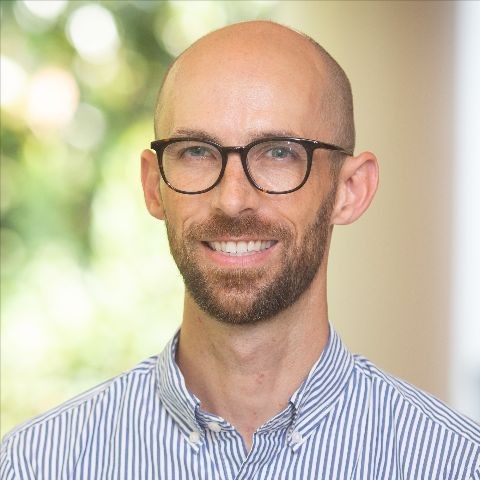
(243, 261)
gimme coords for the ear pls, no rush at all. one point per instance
(357, 184)
(151, 184)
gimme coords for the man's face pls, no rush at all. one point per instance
(234, 99)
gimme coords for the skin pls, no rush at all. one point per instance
(244, 81)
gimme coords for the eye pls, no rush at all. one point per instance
(280, 152)
(197, 151)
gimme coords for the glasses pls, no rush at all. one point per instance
(276, 165)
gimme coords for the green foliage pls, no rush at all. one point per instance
(88, 287)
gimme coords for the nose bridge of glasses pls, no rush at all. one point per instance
(232, 167)
(228, 150)
(239, 150)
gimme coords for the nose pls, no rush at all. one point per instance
(235, 195)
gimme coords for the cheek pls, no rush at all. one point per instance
(181, 211)
(297, 211)
(301, 209)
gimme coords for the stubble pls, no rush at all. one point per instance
(250, 295)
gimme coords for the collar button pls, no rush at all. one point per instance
(297, 437)
(214, 427)
(194, 436)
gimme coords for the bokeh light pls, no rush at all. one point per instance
(93, 32)
(52, 99)
(38, 16)
(12, 82)
(189, 22)
(87, 128)
(46, 9)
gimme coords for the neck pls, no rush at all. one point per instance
(246, 374)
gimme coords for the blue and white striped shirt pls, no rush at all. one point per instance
(348, 420)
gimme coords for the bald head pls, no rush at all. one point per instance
(245, 57)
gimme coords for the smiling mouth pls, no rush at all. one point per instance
(241, 248)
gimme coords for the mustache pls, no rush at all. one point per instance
(220, 225)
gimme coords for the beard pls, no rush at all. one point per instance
(243, 296)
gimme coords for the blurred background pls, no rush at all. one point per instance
(88, 288)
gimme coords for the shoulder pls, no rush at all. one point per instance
(76, 412)
(410, 404)
(425, 434)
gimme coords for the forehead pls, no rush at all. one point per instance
(234, 88)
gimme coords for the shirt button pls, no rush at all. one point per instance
(214, 427)
(194, 436)
(297, 437)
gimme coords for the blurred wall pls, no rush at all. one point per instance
(390, 272)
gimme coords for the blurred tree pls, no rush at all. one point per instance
(87, 284)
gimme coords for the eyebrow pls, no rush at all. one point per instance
(204, 135)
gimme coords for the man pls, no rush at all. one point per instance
(254, 167)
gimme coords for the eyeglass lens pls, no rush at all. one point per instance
(276, 166)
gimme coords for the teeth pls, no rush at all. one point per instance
(241, 248)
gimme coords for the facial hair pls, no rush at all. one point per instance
(250, 295)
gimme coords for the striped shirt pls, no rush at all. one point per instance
(348, 420)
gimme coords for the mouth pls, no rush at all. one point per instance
(240, 248)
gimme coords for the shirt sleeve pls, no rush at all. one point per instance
(6, 468)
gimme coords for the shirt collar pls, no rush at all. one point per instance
(323, 387)
(177, 400)
(319, 392)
